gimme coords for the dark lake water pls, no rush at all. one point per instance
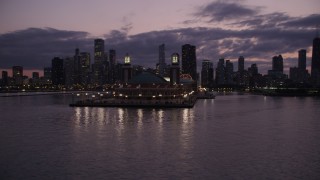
(231, 137)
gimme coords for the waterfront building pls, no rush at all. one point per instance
(189, 61)
(315, 64)
(162, 60)
(207, 74)
(57, 73)
(175, 69)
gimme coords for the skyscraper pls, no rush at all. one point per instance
(315, 66)
(47, 73)
(57, 73)
(220, 72)
(189, 61)
(17, 74)
(229, 72)
(207, 73)
(240, 75)
(162, 60)
(302, 59)
(70, 77)
(5, 79)
(175, 69)
(98, 51)
(98, 67)
(241, 64)
(84, 67)
(112, 64)
(277, 64)
(127, 69)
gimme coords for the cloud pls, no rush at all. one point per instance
(35, 47)
(225, 10)
(310, 21)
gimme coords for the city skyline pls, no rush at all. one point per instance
(229, 29)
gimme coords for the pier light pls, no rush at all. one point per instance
(101, 94)
(86, 94)
(174, 96)
(140, 95)
(153, 96)
(120, 95)
(78, 94)
(93, 95)
(126, 96)
(160, 95)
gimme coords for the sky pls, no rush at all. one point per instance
(33, 32)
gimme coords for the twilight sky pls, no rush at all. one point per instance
(33, 32)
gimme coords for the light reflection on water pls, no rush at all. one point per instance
(231, 137)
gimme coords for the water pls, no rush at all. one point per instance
(231, 137)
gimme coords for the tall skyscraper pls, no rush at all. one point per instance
(99, 51)
(302, 59)
(98, 68)
(70, 77)
(189, 61)
(17, 75)
(241, 64)
(84, 67)
(220, 72)
(277, 64)
(127, 69)
(17, 72)
(229, 72)
(57, 73)
(175, 69)
(315, 66)
(162, 60)
(207, 73)
(112, 65)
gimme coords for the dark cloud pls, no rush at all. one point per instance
(310, 21)
(35, 47)
(225, 10)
